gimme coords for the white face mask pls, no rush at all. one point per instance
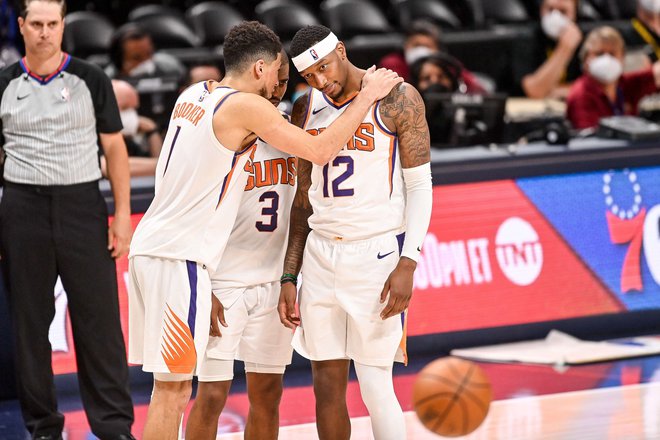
(147, 67)
(650, 5)
(130, 120)
(416, 53)
(605, 68)
(554, 23)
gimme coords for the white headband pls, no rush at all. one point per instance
(316, 52)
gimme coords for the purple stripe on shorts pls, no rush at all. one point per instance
(399, 239)
(192, 309)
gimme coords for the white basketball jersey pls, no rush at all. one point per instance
(360, 193)
(256, 248)
(198, 187)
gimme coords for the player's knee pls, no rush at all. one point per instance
(175, 393)
(213, 394)
(265, 390)
(326, 392)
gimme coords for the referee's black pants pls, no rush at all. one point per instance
(46, 231)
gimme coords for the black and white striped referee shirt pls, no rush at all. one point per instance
(49, 126)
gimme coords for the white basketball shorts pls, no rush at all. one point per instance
(340, 305)
(254, 333)
(169, 306)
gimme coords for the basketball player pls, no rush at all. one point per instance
(199, 182)
(248, 290)
(368, 210)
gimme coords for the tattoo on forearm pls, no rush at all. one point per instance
(301, 209)
(404, 108)
(298, 224)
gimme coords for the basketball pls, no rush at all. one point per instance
(451, 396)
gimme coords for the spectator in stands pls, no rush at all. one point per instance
(141, 134)
(132, 56)
(423, 38)
(645, 30)
(440, 72)
(203, 72)
(603, 90)
(8, 34)
(555, 64)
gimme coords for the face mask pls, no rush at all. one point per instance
(605, 68)
(438, 88)
(130, 120)
(415, 53)
(147, 67)
(553, 23)
(650, 5)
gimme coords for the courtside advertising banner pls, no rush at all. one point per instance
(512, 252)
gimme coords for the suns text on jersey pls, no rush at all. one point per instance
(271, 172)
(362, 140)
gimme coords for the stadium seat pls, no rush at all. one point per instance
(348, 18)
(626, 8)
(285, 17)
(212, 20)
(142, 12)
(588, 12)
(169, 32)
(87, 33)
(505, 11)
(469, 12)
(434, 10)
(607, 9)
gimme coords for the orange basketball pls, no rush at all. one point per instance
(451, 396)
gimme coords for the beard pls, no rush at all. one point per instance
(337, 91)
(264, 93)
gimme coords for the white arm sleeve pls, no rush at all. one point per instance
(419, 202)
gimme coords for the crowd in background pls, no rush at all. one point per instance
(572, 52)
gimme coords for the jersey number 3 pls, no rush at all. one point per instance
(270, 211)
(339, 161)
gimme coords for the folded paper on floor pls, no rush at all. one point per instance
(562, 349)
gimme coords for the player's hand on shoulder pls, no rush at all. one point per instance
(377, 83)
(287, 306)
(217, 316)
(398, 287)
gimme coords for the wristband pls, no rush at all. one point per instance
(289, 278)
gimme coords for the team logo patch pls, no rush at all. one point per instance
(314, 55)
(64, 93)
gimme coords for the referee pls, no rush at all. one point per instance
(53, 221)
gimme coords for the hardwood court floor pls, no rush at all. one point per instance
(605, 401)
(619, 413)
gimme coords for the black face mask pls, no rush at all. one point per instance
(438, 88)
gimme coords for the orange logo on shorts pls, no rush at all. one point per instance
(178, 348)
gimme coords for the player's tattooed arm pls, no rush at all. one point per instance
(301, 209)
(403, 111)
(299, 229)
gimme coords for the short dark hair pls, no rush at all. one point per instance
(127, 32)
(308, 37)
(426, 28)
(26, 3)
(248, 42)
(285, 57)
(450, 65)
